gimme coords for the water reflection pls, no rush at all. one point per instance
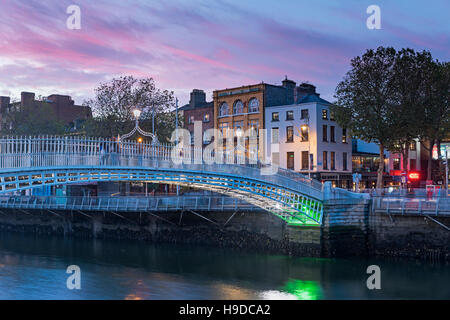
(35, 268)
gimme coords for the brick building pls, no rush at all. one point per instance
(198, 109)
(63, 107)
(242, 108)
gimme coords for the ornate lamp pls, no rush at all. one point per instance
(137, 114)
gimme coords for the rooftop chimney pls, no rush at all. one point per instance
(304, 90)
(26, 98)
(198, 97)
(290, 87)
(4, 103)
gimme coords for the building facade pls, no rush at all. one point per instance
(305, 137)
(241, 110)
(62, 106)
(200, 110)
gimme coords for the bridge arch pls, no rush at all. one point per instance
(27, 163)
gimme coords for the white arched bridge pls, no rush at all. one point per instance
(33, 162)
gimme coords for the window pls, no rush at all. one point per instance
(290, 115)
(191, 119)
(344, 161)
(290, 160)
(238, 128)
(324, 133)
(253, 125)
(332, 118)
(333, 160)
(396, 164)
(275, 116)
(412, 146)
(253, 105)
(325, 160)
(344, 135)
(206, 118)
(305, 114)
(275, 136)
(238, 107)
(304, 131)
(324, 114)
(332, 134)
(223, 110)
(223, 128)
(305, 160)
(290, 134)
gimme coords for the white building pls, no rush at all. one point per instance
(304, 137)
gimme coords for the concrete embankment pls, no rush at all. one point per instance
(349, 229)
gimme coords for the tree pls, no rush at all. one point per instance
(32, 120)
(114, 103)
(435, 109)
(365, 98)
(409, 73)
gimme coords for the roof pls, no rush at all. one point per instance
(203, 105)
(313, 98)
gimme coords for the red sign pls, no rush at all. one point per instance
(414, 176)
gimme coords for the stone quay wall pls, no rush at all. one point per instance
(349, 228)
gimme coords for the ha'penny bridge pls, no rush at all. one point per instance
(27, 163)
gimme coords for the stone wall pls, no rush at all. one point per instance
(257, 231)
(350, 228)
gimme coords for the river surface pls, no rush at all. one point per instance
(35, 268)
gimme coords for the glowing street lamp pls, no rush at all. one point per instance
(137, 113)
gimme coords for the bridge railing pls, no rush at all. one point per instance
(50, 151)
(127, 204)
(416, 205)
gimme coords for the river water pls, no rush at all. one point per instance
(35, 268)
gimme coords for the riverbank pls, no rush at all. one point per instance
(348, 230)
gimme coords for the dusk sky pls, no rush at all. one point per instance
(203, 44)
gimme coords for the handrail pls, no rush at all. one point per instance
(129, 203)
(29, 152)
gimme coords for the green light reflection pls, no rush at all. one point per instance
(303, 290)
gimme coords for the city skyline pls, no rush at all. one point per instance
(200, 44)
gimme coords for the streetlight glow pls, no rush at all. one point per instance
(137, 113)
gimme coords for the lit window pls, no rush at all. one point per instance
(344, 135)
(290, 134)
(238, 107)
(238, 127)
(253, 125)
(253, 105)
(324, 114)
(290, 115)
(206, 118)
(275, 116)
(223, 128)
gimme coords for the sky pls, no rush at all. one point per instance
(203, 44)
